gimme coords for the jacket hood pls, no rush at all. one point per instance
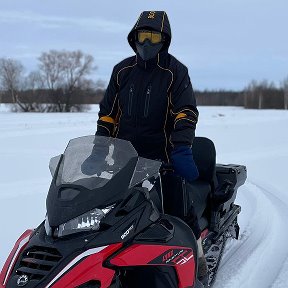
(152, 20)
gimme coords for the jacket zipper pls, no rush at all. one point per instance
(130, 100)
(147, 101)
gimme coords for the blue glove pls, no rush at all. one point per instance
(183, 163)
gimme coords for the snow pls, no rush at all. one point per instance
(255, 138)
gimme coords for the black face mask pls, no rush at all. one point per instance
(147, 50)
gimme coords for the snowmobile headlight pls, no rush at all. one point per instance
(83, 223)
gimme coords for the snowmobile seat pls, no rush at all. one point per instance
(198, 191)
(204, 155)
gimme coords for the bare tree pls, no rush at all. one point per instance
(11, 76)
(257, 95)
(30, 96)
(65, 73)
(285, 88)
(249, 93)
(34, 81)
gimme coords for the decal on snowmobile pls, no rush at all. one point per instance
(75, 261)
(125, 234)
(174, 257)
(22, 280)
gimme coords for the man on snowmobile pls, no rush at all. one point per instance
(150, 102)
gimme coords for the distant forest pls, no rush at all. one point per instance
(258, 95)
(62, 84)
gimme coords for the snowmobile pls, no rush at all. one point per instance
(115, 220)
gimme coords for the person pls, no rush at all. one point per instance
(150, 102)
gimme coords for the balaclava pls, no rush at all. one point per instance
(148, 50)
(151, 21)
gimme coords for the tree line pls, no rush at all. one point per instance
(257, 95)
(62, 83)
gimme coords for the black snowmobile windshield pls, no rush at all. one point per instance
(92, 161)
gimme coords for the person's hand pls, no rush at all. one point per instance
(183, 163)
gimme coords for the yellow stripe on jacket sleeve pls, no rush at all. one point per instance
(107, 119)
(180, 115)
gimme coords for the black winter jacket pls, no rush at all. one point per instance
(150, 103)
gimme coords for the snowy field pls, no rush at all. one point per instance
(257, 139)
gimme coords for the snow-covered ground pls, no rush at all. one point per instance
(257, 139)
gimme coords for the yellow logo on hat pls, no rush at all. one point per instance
(151, 15)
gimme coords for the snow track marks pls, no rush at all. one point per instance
(248, 261)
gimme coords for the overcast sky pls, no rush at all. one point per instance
(224, 43)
